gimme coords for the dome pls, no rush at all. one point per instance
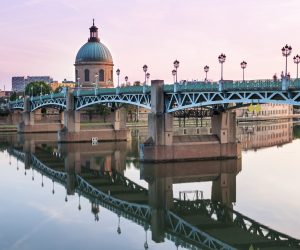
(93, 51)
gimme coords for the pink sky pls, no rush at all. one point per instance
(42, 37)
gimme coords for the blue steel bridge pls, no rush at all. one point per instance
(177, 96)
(201, 224)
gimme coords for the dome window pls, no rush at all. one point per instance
(86, 75)
(101, 75)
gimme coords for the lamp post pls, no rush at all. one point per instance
(41, 90)
(206, 69)
(297, 61)
(174, 74)
(118, 74)
(96, 79)
(126, 80)
(147, 76)
(78, 82)
(31, 91)
(243, 66)
(222, 59)
(176, 65)
(286, 51)
(145, 68)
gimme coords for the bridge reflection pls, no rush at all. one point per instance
(97, 173)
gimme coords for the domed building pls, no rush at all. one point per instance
(94, 63)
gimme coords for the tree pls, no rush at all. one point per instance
(37, 88)
(13, 96)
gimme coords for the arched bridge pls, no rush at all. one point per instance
(177, 96)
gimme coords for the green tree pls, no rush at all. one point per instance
(13, 96)
(37, 88)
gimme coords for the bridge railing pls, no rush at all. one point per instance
(48, 96)
(191, 87)
(294, 84)
(113, 91)
(252, 85)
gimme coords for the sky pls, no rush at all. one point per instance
(42, 37)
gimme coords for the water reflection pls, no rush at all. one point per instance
(255, 136)
(96, 173)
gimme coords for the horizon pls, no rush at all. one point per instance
(42, 37)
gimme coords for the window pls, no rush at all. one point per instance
(111, 76)
(101, 75)
(86, 75)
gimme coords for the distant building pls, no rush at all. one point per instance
(65, 83)
(5, 93)
(18, 83)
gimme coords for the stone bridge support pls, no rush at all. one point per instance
(163, 146)
(28, 125)
(14, 118)
(27, 117)
(224, 126)
(160, 124)
(72, 132)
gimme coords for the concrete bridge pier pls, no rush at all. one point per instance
(163, 146)
(224, 126)
(28, 125)
(72, 132)
(14, 118)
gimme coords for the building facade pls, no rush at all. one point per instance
(18, 83)
(94, 63)
(55, 84)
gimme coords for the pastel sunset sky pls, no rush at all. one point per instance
(42, 37)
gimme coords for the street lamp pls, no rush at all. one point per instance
(126, 80)
(176, 65)
(286, 51)
(243, 66)
(78, 82)
(222, 59)
(31, 91)
(148, 76)
(297, 61)
(206, 69)
(96, 79)
(174, 74)
(145, 68)
(118, 74)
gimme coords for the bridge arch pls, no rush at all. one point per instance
(180, 101)
(115, 101)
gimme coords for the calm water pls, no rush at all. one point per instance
(38, 212)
